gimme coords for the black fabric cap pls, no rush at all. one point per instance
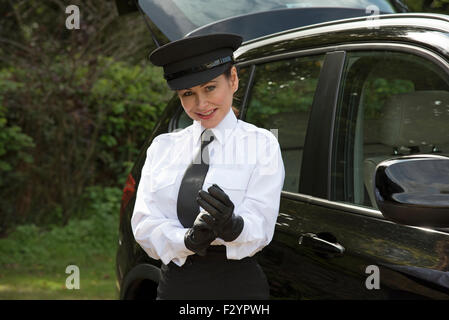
(195, 60)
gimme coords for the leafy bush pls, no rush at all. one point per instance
(15, 147)
(68, 127)
(134, 97)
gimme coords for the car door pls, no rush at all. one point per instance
(331, 242)
(392, 102)
(281, 99)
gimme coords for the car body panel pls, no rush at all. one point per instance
(301, 272)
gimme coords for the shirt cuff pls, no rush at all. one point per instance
(178, 253)
(239, 248)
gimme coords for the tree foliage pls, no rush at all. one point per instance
(431, 6)
(75, 105)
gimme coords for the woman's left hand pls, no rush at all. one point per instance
(216, 202)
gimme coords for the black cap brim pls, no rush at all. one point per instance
(195, 79)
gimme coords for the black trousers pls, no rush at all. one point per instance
(213, 277)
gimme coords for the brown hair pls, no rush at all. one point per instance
(236, 111)
(227, 74)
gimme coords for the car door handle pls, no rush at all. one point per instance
(316, 243)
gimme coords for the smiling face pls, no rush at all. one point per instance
(210, 102)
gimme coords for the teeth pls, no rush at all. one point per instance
(206, 114)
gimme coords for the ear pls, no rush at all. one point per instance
(234, 79)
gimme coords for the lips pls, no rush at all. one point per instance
(206, 115)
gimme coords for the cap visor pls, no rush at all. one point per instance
(195, 79)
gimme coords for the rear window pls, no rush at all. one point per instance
(202, 12)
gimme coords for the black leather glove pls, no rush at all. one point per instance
(199, 237)
(216, 202)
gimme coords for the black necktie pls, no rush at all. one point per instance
(192, 182)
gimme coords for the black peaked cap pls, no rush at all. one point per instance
(191, 61)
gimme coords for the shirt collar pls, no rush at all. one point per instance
(221, 131)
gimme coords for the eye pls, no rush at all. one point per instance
(187, 93)
(210, 88)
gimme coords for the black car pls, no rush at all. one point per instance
(360, 104)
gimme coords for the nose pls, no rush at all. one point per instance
(202, 103)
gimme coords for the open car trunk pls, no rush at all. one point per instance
(251, 19)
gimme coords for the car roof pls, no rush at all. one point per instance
(404, 27)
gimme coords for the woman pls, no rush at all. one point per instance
(209, 194)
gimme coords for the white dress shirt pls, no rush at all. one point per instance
(245, 161)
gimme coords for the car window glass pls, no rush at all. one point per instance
(184, 120)
(281, 99)
(202, 12)
(391, 104)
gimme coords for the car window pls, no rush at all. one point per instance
(391, 104)
(281, 99)
(202, 12)
(243, 73)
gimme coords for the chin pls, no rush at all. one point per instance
(208, 125)
(212, 123)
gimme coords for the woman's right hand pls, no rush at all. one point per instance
(199, 237)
